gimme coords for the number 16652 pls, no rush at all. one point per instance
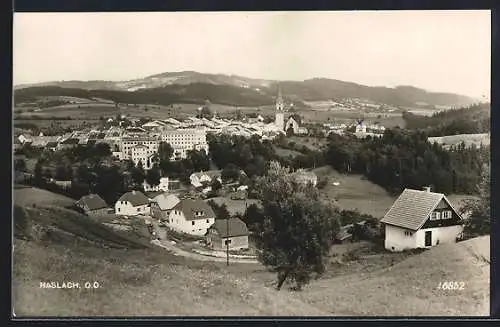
(452, 286)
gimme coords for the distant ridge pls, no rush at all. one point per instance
(314, 89)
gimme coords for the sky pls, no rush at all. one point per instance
(443, 51)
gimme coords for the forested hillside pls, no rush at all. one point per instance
(467, 120)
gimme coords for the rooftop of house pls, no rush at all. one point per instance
(136, 198)
(166, 201)
(70, 141)
(93, 202)
(190, 206)
(236, 227)
(412, 208)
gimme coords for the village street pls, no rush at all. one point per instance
(163, 242)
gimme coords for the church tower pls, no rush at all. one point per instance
(280, 111)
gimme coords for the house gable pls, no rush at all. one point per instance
(443, 210)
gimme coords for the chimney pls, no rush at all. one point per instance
(427, 189)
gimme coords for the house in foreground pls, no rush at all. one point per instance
(421, 219)
(132, 203)
(191, 217)
(223, 232)
(162, 205)
(92, 205)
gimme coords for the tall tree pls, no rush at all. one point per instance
(297, 230)
(138, 175)
(479, 211)
(153, 175)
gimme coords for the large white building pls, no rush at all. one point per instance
(139, 149)
(421, 219)
(185, 139)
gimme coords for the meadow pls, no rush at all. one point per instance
(140, 280)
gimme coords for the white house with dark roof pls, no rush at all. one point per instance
(92, 205)
(191, 217)
(132, 203)
(421, 219)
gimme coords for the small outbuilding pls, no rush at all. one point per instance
(233, 232)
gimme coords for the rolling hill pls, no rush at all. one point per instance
(138, 280)
(240, 90)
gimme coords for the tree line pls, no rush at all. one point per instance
(471, 119)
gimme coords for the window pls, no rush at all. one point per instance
(192, 223)
(208, 221)
(434, 215)
(118, 209)
(227, 242)
(407, 233)
(447, 214)
(138, 209)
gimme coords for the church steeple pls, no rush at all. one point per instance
(279, 120)
(280, 104)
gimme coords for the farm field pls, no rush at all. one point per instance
(356, 192)
(468, 139)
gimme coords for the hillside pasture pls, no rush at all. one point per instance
(29, 196)
(354, 192)
(410, 287)
(468, 139)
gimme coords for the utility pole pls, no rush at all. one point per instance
(227, 241)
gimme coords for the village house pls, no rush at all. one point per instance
(191, 217)
(232, 232)
(421, 219)
(162, 205)
(201, 178)
(92, 205)
(132, 203)
(304, 177)
(52, 146)
(68, 144)
(162, 186)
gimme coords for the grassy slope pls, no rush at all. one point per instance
(31, 195)
(410, 287)
(138, 282)
(354, 192)
(150, 281)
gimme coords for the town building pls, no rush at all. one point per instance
(162, 186)
(183, 140)
(140, 148)
(162, 205)
(92, 205)
(132, 203)
(68, 144)
(421, 219)
(191, 217)
(224, 232)
(205, 177)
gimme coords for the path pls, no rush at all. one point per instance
(166, 244)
